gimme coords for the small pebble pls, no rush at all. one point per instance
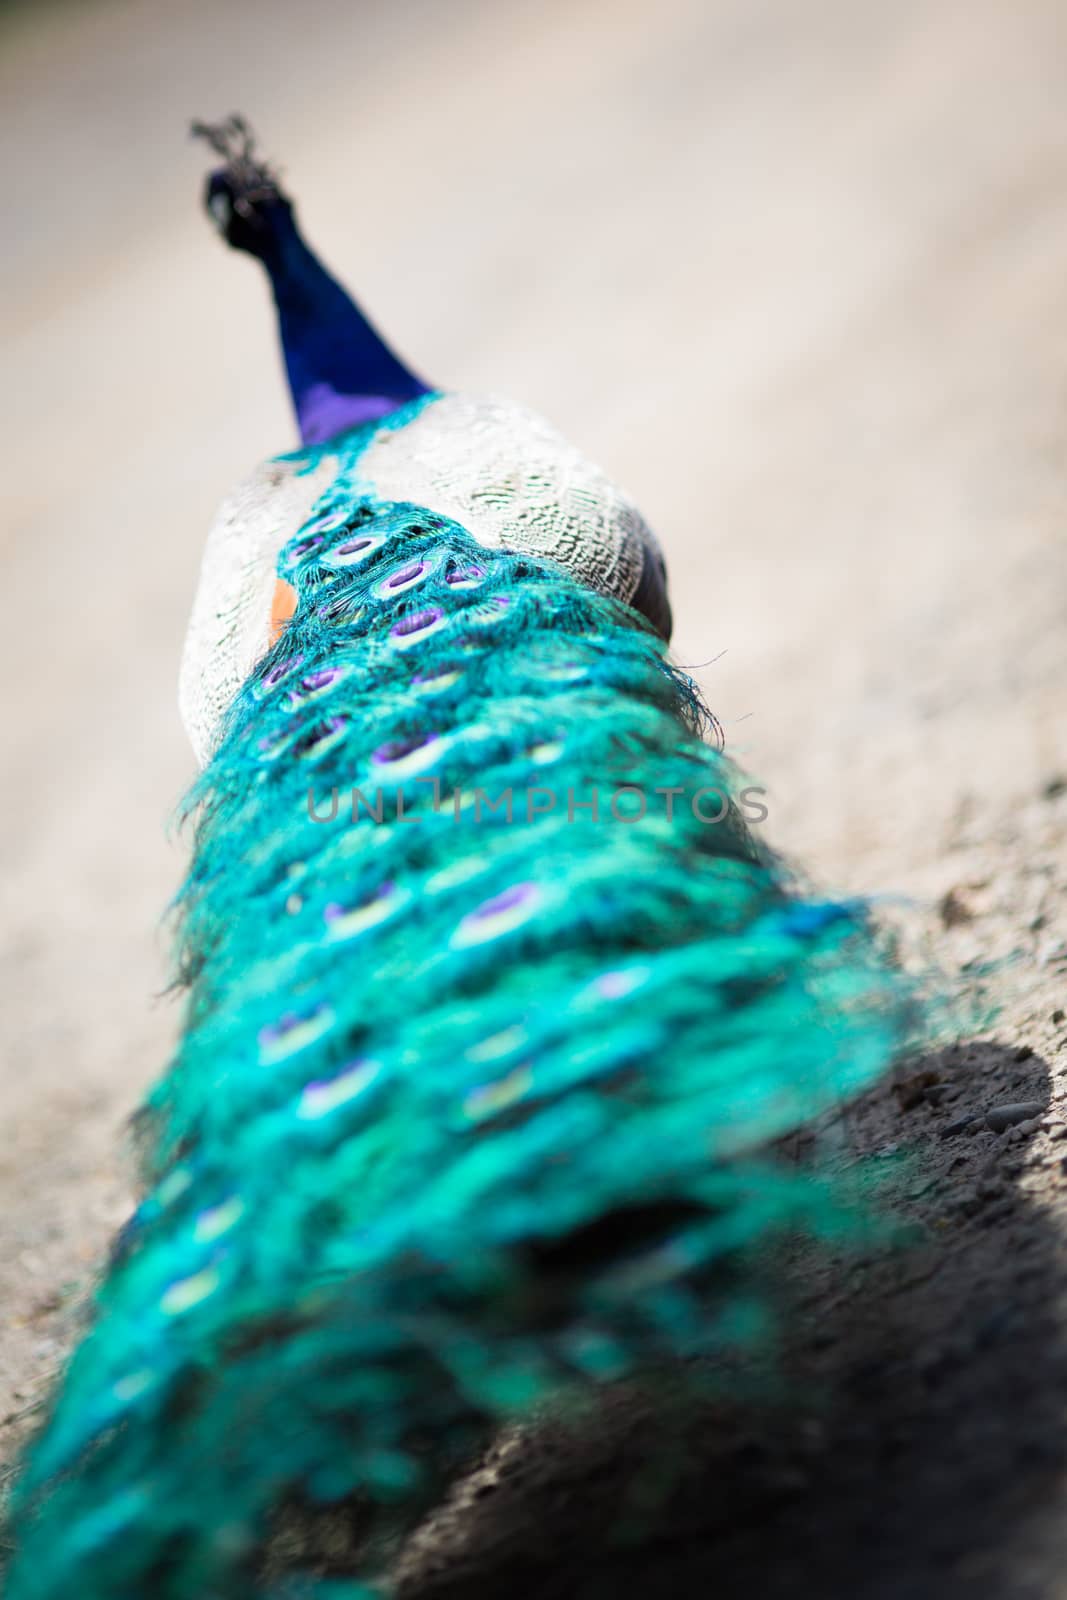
(955, 908)
(1059, 1014)
(1007, 1116)
(960, 1125)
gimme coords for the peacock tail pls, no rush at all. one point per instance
(495, 1006)
(470, 975)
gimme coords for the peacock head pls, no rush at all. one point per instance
(242, 197)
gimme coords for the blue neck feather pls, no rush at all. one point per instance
(341, 372)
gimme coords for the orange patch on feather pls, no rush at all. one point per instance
(282, 608)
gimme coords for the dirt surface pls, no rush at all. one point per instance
(796, 274)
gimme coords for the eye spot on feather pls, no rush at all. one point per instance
(436, 682)
(404, 578)
(216, 1221)
(416, 627)
(320, 1098)
(329, 522)
(272, 745)
(347, 922)
(614, 984)
(317, 683)
(312, 685)
(549, 750)
(279, 672)
(397, 749)
(456, 873)
(403, 757)
(502, 914)
(350, 552)
(173, 1186)
(305, 547)
(562, 671)
(133, 1385)
(491, 1098)
(323, 678)
(293, 1032)
(498, 1045)
(321, 738)
(465, 577)
(189, 1292)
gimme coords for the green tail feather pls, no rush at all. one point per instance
(468, 1108)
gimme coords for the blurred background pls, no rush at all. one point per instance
(793, 271)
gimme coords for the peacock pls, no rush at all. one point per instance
(498, 1008)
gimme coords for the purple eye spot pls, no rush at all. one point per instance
(405, 577)
(336, 912)
(329, 1094)
(292, 1032)
(304, 547)
(348, 921)
(328, 522)
(353, 550)
(417, 625)
(499, 915)
(408, 574)
(281, 670)
(321, 736)
(271, 745)
(616, 985)
(465, 577)
(398, 749)
(278, 1030)
(320, 680)
(506, 901)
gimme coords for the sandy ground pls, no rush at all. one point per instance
(796, 272)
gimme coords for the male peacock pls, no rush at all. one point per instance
(495, 1004)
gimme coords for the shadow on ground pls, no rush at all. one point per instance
(921, 1438)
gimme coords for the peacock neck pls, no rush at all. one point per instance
(341, 372)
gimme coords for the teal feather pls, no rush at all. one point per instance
(467, 1111)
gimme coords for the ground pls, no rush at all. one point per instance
(796, 273)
